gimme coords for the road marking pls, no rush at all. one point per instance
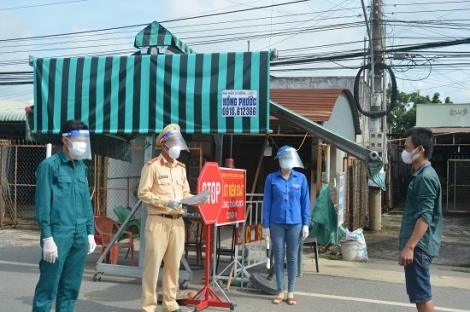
(31, 265)
(19, 263)
(393, 303)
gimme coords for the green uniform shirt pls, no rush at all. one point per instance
(62, 197)
(423, 201)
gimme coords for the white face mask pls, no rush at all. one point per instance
(287, 164)
(174, 151)
(408, 157)
(77, 150)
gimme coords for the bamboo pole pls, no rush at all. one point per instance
(319, 165)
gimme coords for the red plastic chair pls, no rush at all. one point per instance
(107, 227)
(195, 237)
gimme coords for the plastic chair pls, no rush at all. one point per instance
(134, 224)
(195, 237)
(312, 240)
(107, 227)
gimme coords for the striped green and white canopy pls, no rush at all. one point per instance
(141, 94)
(156, 35)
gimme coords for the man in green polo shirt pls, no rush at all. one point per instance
(421, 227)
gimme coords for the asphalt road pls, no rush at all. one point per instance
(19, 255)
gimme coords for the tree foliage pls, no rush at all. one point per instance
(403, 115)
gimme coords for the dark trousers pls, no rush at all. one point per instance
(61, 280)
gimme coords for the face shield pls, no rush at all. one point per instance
(78, 144)
(288, 158)
(175, 143)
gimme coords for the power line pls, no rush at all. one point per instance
(234, 11)
(142, 25)
(41, 5)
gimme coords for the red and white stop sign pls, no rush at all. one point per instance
(210, 179)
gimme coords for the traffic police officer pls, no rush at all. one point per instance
(65, 217)
(162, 185)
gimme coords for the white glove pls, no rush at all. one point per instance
(173, 204)
(49, 250)
(266, 234)
(91, 243)
(304, 231)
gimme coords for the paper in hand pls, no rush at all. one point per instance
(196, 198)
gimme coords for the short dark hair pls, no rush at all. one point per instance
(422, 136)
(70, 125)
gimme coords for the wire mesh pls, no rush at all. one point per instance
(458, 185)
(19, 163)
(112, 182)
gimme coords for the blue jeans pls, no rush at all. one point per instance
(418, 279)
(282, 235)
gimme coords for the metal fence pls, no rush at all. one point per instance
(249, 245)
(112, 182)
(458, 185)
(117, 182)
(19, 163)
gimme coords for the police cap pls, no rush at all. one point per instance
(165, 131)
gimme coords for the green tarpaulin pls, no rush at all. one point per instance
(324, 219)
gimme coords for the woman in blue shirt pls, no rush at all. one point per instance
(286, 216)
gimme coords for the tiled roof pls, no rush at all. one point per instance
(314, 104)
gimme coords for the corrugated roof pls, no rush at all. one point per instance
(12, 110)
(314, 104)
(18, 114)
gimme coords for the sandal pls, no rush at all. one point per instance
(291, 301)
(278, 300)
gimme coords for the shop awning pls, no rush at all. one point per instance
(140, 94)
(155, 35)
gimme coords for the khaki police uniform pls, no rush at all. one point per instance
(164, 231)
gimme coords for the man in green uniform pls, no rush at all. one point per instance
(421, 227)
(65, 217)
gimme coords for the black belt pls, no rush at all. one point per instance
(170, 216)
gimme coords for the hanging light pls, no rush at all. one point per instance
(268, 150)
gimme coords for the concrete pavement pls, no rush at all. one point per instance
(388, 271)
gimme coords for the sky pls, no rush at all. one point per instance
(307, 29)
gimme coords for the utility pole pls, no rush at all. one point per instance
(376, 125)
